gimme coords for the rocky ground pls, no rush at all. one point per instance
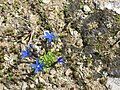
(87, 37)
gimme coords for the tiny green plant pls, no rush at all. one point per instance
(48, 59)
(10, 76)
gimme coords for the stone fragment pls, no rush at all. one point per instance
(46, 1)
(113, 83)
(1, 86)
(68, 72)
(52, 72)
(24, 86)
(86, 8)
(113, 5)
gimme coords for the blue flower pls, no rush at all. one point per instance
(25, 53)
(49, 36)
(38, 66)
(60, 60)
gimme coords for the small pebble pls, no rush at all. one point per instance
(52, 72)
(68, 72)
(1, 86)
(24, 86)
(46, 1)
(80, 42)
(42, 80)
(86, 8)
(32, 85)
(37, 81)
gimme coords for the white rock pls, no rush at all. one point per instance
(86, 8)
(42, 80)
(24, 86)
(74, 33)
(111, 40)
(113, 5)
(1, 86)
(10, 1)
(46, 1)
(118, 34)
(80, 43)
(37, 81)
(69, 50)
(52, 72)
(113, 83)
(117, 10)
(71, 31)
(68, 72)
(84, 57)
(32, 85)
(109, 5)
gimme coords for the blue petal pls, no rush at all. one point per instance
(60, 60)
(47, 33)
(33, 66)
(40, 68)
(24, 54)
(36, 70)
(41, 64)
(52, 35)
(37, 61)
(50, 40)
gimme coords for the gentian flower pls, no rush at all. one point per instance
(60, 60)
(38, 66)
(49, 36)
(25, 53)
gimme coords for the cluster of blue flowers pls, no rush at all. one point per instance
(38, 66)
